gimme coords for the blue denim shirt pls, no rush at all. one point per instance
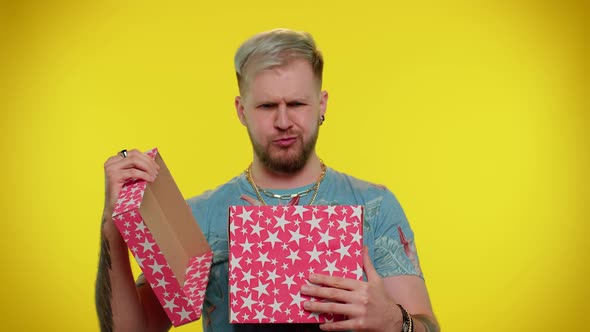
(386, 232)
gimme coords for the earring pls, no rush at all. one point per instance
(322, 118)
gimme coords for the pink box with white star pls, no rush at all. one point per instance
(273, 249)
(166, 241)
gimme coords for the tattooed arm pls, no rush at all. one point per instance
(103, 287)
(122, 305)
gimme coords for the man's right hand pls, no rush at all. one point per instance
(118, 169)
(120, 304)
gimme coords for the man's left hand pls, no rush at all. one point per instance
(366, 304)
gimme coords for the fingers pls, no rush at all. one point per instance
(250, 200)
(368, 266)
(330, 293)
(142, 167)
(332, 308)
(119, 169)
(136, 159)
(134, 173)
(335, 282)
(364, 303)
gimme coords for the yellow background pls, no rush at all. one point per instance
(474, 113)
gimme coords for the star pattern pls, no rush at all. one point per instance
(291, 242)
(272, 275)
(247, 276)
(182, 303)
(314, 255)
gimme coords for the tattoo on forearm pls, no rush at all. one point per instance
(431, 326)
(103, 287)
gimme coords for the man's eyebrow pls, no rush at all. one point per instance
(302, 99)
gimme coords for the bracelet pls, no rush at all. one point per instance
(408, 322)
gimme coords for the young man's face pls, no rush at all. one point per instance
(281, 108)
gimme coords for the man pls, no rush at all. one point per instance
(282, 106)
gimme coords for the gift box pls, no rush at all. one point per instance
(273, 249)
(166, 241)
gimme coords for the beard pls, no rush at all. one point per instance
(285, 160)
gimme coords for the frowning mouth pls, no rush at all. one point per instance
(285, 141)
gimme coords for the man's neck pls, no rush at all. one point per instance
(266, 178)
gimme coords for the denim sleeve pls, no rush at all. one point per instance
(394, 249)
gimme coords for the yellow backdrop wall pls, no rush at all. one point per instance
(474, 113)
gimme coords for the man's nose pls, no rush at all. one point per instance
(282, 120)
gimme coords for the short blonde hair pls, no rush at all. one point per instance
(276, 48)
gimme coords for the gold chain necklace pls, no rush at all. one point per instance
(315, 188)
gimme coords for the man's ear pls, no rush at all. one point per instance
(240, 110)
(323, 102)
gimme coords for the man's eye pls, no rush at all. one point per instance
(266, 106)
(295, 104)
